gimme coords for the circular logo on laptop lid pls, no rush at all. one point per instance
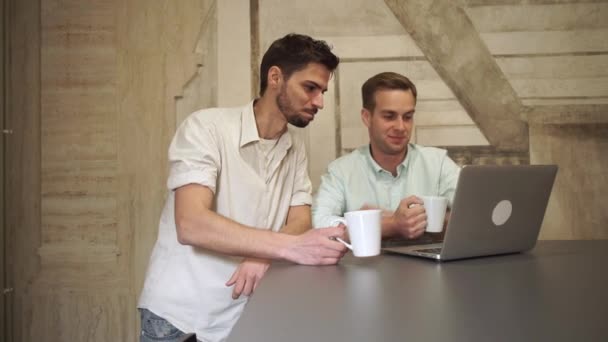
(501, 213)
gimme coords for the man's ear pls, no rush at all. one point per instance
(366, 116)
(275, 77)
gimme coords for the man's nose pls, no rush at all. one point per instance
(317, 101)
(400, 125)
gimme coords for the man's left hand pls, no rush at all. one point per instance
(247, 276)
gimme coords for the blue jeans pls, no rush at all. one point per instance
(155, 328)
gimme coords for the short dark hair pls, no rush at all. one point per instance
(293, 53)
(384, 81)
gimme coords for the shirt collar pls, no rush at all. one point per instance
(377, 168)
(249, 129)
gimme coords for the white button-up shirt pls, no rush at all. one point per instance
(218, 148)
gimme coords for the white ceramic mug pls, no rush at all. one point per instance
(435, 207)
(365, 231)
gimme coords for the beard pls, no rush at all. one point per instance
(285, 106)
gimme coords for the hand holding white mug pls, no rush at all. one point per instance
(409, 219)
(364, 230)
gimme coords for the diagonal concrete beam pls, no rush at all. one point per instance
(446, 36)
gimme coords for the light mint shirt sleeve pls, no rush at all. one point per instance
(448, 179)
(330, 202)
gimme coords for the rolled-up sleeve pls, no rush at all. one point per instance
(448, 179)
(194, 157)
(329, 203)
(302, 190)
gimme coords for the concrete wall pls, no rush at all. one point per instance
(93, 108)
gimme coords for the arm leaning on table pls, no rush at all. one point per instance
(251, 270)
(199, 226)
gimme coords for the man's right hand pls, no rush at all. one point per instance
(410, 218)
(317, 247)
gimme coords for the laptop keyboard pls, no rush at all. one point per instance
(436, 250)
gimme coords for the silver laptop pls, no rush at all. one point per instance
(496, 210)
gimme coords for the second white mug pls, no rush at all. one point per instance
(435, 207)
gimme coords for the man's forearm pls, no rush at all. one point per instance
(295, 229)
(199, 226)
(298, 220)
(389, 227)
(212, 231)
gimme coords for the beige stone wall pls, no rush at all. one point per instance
(93, 108)
(577, 209)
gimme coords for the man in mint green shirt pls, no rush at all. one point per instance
(389, 173)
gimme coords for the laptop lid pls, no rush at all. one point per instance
(496, 210)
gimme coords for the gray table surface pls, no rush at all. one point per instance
(556, 292)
